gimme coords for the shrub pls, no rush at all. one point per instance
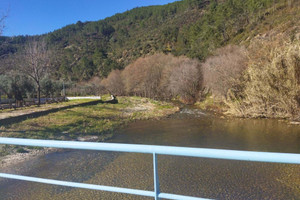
(271, 86)
(222, 70)
(158, 76)
(185, 80)
(114, 83)
(146, 76)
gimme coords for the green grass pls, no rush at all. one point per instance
(211, 104)
(46, 106)
(81, 121)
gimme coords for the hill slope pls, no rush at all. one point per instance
(194, 28)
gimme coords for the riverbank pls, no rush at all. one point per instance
(220, 108)
(13, 117)
(193, 176)
(5, 113)
(87, 123)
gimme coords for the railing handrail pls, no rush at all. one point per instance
(289, 158)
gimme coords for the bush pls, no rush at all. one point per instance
(146, 76)
(271, 85)
(222, 70)
(114, 83)
(158, 76)
(185, 80)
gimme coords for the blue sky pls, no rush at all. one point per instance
(32, 17)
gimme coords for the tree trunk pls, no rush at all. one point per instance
(39, 94)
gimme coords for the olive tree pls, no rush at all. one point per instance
(15, 85)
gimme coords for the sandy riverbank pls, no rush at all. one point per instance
(8, 161)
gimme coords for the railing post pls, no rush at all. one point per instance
(156, 180)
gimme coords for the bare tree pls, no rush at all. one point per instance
(133, 77)
(114, 83)
(163, 76)
(185, 80)
(36, 62)
(2, 19)
(222, 70)
(148, 76)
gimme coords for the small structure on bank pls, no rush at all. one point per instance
(113, 100)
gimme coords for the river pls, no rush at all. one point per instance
(207, 178)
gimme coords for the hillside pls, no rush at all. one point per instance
(190, 27)
(94, 48)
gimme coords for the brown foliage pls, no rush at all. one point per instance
(114, 83)
(143, 77)
(158, 76)
(222, 70)
(133, 76)
(271, 83)
(185, 80)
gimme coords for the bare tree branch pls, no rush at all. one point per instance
(2, 24)
(36, 61)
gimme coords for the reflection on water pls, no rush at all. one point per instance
(193, 112)
(211, 132)
(208, 178)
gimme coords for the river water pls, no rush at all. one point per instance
(207, 178)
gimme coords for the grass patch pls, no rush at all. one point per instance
(44, 106)
(96, 120)
(211, 104)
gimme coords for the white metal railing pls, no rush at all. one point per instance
(288, 158)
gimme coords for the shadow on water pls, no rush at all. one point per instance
(208, 178)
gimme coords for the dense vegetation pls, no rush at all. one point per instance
(194, 28)
(217, 52)
(270, 86)
(158, 76)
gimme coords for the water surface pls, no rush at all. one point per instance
(208, 178)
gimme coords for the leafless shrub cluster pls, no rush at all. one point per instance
(185, 80)
(114, 83)
(146, 76)
(222, 70)
(157, 76)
